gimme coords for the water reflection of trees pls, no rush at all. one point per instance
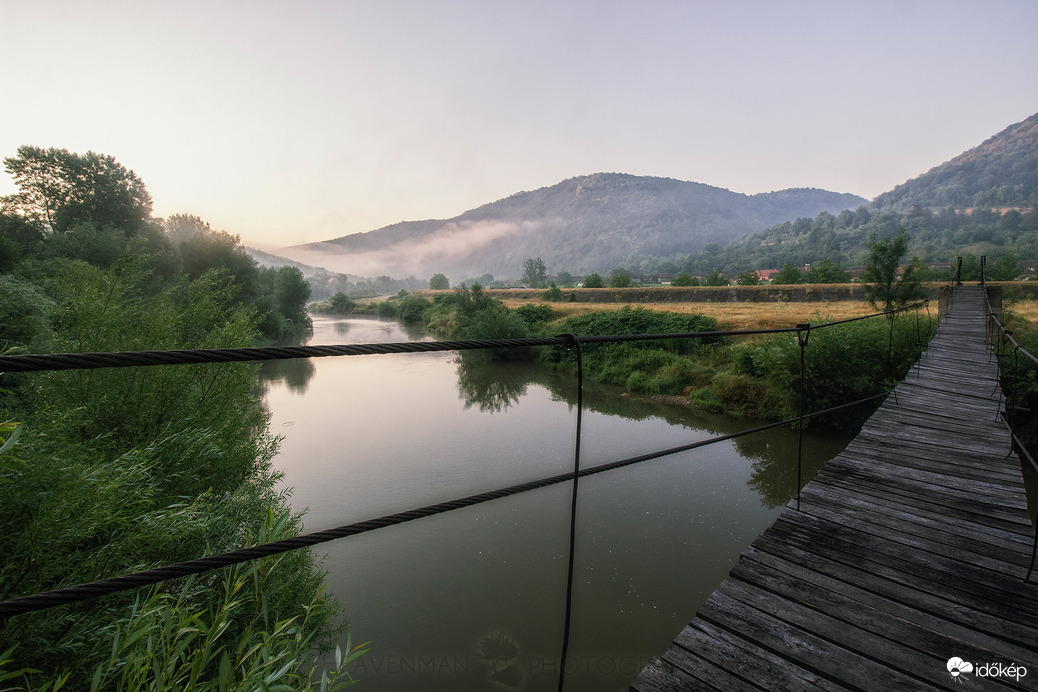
(295, 373)
(494, 386)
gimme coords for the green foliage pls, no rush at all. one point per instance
(60, 190)
(684, 280)
(126, 468)
(283, 309)
(413, 309)
(628, 320)
(553, 294)
(1001, 172)
(748, 278)
(593, 281)
(565, 279)
(1005, 268)
(619, 278)
(534, 314)
(787, 275)
(439, 282)
(534, 273)
(883, 288)
(656, 366)
(827, 272)
(936, 235)
(715, 279)
(830, 382)
(25, 312)
(471, 314)
(341, 304)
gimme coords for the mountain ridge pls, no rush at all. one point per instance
(1001, 171)
(581, 224)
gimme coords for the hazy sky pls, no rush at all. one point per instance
(290, 122)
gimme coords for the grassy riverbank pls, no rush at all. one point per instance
(755, 376)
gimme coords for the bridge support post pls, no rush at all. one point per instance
(803, 334)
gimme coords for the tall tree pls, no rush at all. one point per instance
(883, 288)
(60, 189)
(715, 278)
(594, 281)
(439, 282)
(827, 272)
(748, 278)
(787, 275)
(619, 278)
(535, 274)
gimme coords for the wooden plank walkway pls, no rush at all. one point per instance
(910, 549)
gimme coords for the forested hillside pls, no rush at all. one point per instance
(110, 471)
(1001, 172)
(581, 225)
(843, 239)
(982, 202)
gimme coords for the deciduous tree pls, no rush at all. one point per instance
(60, 189)
(748, 278)
(534, 273)
(883, 287)
(787, 275)
(593, 281)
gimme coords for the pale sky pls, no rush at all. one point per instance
(291, 122)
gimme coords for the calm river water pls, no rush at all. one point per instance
(474, 599)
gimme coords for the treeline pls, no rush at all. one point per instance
(757, 379)
(110, 471)
(89, 208)
(934, 237)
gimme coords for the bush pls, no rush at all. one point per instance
(594, 281)
(842, 363)
(412, 308)
(628, 320)
(534, 314)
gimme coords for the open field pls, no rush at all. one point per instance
(753, 307)
(732, 315)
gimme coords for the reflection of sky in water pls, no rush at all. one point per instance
(371, 435)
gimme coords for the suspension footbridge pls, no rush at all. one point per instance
(904, 567)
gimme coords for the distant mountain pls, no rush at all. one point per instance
(1000, 172)
(585, 224)
(266, 259)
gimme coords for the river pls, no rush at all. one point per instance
(474, 599)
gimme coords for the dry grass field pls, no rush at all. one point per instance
(1027, 310)
(737, 315)
(733, 315)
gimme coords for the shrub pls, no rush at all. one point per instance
(534, 314)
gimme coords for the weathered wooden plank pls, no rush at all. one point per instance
(894, 605)
(889, 584)
(917, 530)
(804, 648)
(962, 592)
(971, 586)
(661, 677)
(923, 510)
(746, 659)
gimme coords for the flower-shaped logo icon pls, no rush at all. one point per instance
(956, 666)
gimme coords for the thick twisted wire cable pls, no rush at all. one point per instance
(125, 359)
